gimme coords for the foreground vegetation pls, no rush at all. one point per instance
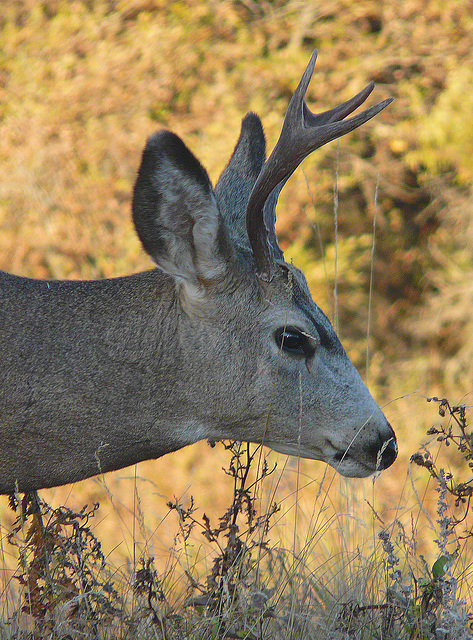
(82, 84)
(254, 587)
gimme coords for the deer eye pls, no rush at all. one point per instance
(293, 341)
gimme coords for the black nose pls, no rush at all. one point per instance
(387, 453)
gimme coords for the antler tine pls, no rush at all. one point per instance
(339, 112)
(302, 132)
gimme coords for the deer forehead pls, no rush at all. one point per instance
(288, 302)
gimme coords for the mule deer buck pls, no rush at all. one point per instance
(221, 341)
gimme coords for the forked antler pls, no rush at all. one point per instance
(302, 132)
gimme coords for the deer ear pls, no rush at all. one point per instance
(176, 215)
(238, 179)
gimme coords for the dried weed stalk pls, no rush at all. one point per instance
(61, 569)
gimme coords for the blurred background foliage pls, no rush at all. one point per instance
(83, 83)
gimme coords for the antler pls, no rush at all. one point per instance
(302, 132)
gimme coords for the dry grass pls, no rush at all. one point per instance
(287, 556)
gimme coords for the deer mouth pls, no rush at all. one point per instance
(350, 462)
(373, 459)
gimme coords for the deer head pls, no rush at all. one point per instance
(221, 340)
